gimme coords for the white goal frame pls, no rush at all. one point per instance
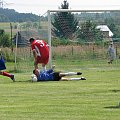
(67, 10)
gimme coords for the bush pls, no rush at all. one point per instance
(4, 39)
(8, 54)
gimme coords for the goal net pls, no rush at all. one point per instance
(78, 39)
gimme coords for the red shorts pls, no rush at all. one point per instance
(42, 59)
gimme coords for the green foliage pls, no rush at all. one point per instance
(4, 39)
(89, 33)
(8, 54)
(62, 41)
(11, 15)
(3, 18)
(64, 24)
(113, 27)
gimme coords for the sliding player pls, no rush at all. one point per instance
(40, 52)
(3, 67)
(50, 75)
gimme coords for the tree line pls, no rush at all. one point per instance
(83, 26)
(67, 25)
(10, 15)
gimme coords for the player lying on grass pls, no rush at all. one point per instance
(50, 75)
(3, 67)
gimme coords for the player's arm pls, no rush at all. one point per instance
(34, 54)
(35, 59)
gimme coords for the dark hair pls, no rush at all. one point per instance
(31, 40)
(33, 71)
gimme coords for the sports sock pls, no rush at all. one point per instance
(44, 68)
(69, 73)
(74, 78)
(82, 78)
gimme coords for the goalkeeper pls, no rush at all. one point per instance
(3, 67)
(50, 75)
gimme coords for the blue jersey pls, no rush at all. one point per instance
(46, 75)
(2, 63)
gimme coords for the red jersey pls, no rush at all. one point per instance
(42, 51)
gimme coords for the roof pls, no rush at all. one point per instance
(105, 28)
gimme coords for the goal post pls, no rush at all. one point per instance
(67, 52)
(71, 11)
(49, 39)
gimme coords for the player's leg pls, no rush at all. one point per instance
(8, 75)
(35, 64)
(56, 76)
(51, 70)
(44, 61)
(43, 66)
(69, 74)
(82, 78)
(69, 79)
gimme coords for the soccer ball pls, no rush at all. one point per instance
(34, 78)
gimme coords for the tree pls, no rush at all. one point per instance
(113, 27)
(4, 39)
(3, 18)
(11, 15)
(89, 33)
(64, 24)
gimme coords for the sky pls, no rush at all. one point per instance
(40, 7)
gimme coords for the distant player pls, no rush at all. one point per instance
(111, 53)
(40, 52)
(50, 75)
(3, 67)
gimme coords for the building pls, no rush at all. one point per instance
(106, 32)
(23, 37)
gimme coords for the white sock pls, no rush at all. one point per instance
(69, 73)
(74, 78)
(44, 68)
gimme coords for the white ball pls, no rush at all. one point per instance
(34, 78)
(33, 75)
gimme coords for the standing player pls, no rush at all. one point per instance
(40, 52)
(111, 53)
(3, 67)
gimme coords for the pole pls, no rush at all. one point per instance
(49, 39)
(16, 48)
(11, 37)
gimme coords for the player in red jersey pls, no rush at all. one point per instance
(40, 52)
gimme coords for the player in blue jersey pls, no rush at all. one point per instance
(50, 75)
(3, 67)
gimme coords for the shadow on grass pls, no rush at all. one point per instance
(113, 107)
(115, 91)
(24, 81)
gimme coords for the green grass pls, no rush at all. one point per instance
(96, 98)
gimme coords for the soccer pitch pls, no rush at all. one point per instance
(97, 98)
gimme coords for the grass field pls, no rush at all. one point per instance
(97, 98)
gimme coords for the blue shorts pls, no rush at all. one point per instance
(2, 64)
